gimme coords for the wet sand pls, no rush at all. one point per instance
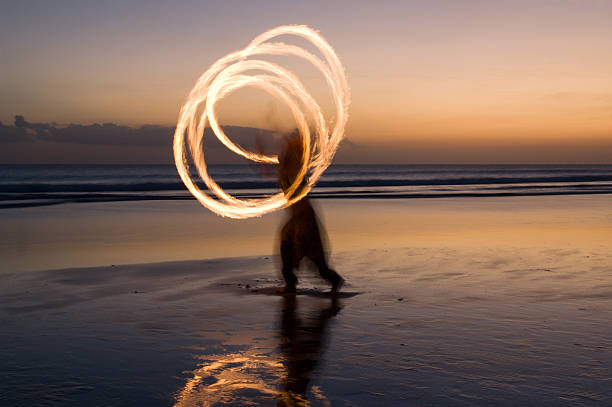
(94, 234)
(452, 302)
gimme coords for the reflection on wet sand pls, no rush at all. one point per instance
(234, 378)
(302, 344)
(258, 375)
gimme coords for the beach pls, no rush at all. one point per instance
(448, 301)
(437, 176)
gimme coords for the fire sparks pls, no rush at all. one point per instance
(231, 73)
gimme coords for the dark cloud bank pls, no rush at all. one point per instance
(26, 142)
(101, 134)
(109, 143)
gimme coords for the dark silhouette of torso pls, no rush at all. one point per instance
(301, 235)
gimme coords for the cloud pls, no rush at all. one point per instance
(47, 141)
(108, 133)
(110, 143)
(101, 134)
(12, 134)
(112, 134)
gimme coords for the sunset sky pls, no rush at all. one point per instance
(431, 81)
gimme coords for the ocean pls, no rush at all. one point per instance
(39, 185)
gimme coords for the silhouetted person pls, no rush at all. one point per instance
(300, 236)
(302, 344)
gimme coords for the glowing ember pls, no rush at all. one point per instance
(229, 74)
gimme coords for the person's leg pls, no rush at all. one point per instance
(287, 254)
(314, 247)
(326, 273)
(317, 256)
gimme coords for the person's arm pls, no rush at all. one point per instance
(267, 170)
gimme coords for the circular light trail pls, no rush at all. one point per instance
(239, 69)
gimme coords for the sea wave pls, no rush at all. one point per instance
(46, 185)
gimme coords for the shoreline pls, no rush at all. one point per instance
(54, 199)
(29, 186)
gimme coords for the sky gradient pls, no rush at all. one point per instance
(439, 81)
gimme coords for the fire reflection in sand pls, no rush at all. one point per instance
(232, 378)
(262, 376)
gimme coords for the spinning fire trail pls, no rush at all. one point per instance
(230, 73)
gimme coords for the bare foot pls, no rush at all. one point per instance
(337, 285)
(288, 289)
